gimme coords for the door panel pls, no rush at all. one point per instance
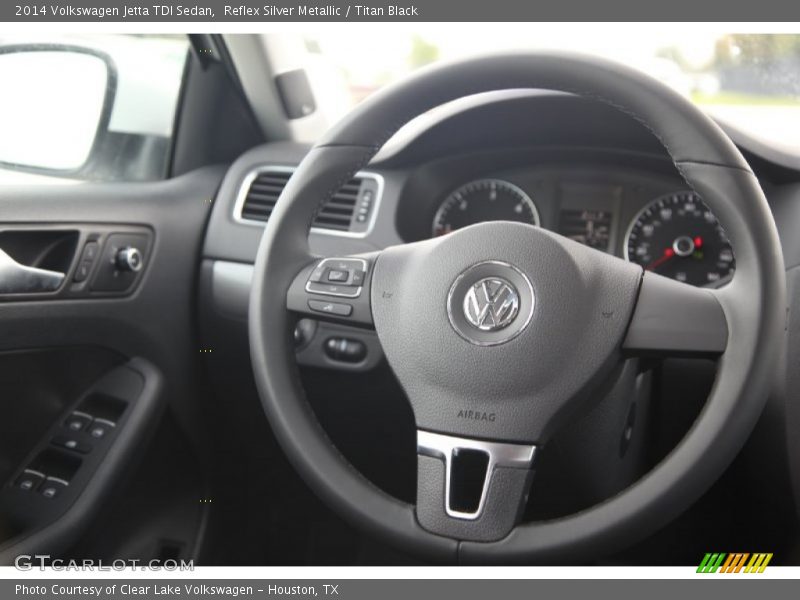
(60, 348)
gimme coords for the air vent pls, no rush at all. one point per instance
(348, 212)
(260, 199)
(338, 212)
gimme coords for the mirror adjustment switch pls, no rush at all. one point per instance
(71, 443)
(129, 259)
(77, 421)
(119, 265)
(29, 480)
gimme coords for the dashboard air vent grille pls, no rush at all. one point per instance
(263, 193)
(348, 212)
(338, 212)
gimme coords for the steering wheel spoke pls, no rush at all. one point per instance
(334, 289)
(676, 319)
(471, 489)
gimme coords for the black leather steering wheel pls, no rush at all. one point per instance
(500, 332)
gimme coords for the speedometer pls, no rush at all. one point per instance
(678, 236)
(484, 200)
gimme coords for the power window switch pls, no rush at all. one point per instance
(53, 487)
(100, 428)
(29, 480)
(77, 421)
(70, 443)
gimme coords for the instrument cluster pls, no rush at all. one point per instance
(667, 231)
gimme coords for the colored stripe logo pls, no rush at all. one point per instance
(736, 562)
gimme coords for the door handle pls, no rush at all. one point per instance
(19, 279)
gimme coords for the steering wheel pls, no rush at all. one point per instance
(501, 332)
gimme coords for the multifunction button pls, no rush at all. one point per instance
(343, 277)
(332, 308)
(338, 276)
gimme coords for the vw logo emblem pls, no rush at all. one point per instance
(491, 303)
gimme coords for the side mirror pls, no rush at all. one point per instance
(55, 105)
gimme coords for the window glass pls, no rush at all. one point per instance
(88, 107)
(750, 80)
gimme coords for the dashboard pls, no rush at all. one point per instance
(563, 163)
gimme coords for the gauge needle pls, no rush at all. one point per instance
(668, 253)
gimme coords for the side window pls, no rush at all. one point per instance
(88, 108)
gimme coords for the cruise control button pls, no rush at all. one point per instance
(329, 289)
(332, 308)
(336, 275)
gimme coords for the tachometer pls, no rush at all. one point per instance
(484, 200)
(678, 236)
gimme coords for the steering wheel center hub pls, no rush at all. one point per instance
(502, 318)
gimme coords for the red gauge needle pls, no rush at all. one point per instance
(668, 253)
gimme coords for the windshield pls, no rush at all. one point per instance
(749, 80)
